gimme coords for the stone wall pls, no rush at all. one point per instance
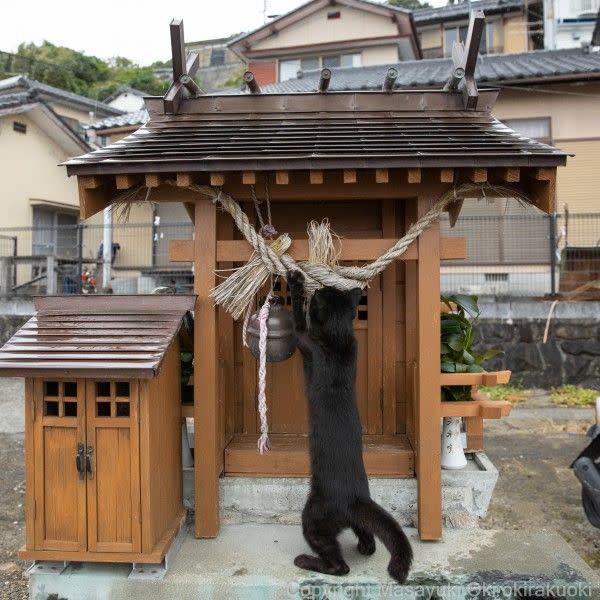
(571, 353)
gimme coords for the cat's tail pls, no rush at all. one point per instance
(368, 515)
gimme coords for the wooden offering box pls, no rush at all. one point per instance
(103, 426)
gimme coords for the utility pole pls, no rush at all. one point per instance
(107, 248)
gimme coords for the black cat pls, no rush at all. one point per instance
(339, 495)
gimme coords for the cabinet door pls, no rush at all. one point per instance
(59, 488)
(113, 472)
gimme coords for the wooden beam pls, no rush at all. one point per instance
(249, 178)
(190, 209)
(451, 248)
(543, 173)
(428, 451)
(316, 177)
(414, 175)
(177, 49)
(184, 179)
(90, 182)
(206, 371)
(446, 175)
(217, 179)
(152, 180)
(479, 406)
(282, 177)
(92, 199)
(510, 174)
(489, 379)
(349, 175)
(125, 182)
(541, 189)
(382, 176)
(477, 175)
(454, 211)
(472, 42)
(383, 455)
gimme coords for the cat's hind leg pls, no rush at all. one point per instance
(321, 534)
(366, 540)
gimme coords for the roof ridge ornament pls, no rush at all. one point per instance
(464, 61)
(184, 69)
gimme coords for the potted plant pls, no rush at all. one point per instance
(459, 317)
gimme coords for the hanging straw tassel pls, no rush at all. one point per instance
(263, 315)
(236, 292)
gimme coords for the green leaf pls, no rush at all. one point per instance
(456, 342)
(467, 303)
(467, 358)
(475, 369)
(448, 367)
(445, 349)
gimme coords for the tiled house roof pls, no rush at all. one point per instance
(22, 83)
(537, 66)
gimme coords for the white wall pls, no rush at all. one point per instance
(128, 102)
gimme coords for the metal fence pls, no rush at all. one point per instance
(72, 254)
(508, 255)
(529, 254)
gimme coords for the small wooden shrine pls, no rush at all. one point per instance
(370, 162)
(102, 426)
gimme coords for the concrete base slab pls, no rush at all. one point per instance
(254, 561)
(466, 495)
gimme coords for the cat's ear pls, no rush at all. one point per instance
(355, 295)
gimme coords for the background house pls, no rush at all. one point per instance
(126, 98)
(74, 109)
(219, 65)
(569, 23)
(40, 127)
(510, 26)
(549, 95)
(346, 33)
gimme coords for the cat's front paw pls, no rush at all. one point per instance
(295, 278)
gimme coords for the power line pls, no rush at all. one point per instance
(542, 91)
(35, 60)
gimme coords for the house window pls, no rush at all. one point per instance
(288, 69)
(538, 128)
(334, 14)
(332, 61)
(54, 232)
(458, 33)
(19, 127)
(217, 56)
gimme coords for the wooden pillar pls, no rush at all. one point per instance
(428, 450)
(206, 422)
(388, 229)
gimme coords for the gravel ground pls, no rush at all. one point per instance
(13, 584)
(532, 449)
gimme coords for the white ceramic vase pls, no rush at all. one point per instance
(453, 454)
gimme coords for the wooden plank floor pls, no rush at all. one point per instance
(385, 456)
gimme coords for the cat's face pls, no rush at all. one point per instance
(332, 306)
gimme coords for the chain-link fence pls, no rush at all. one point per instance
(73, 255)
(528, 254)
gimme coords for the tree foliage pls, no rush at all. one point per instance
(76, 72)
(409, 4)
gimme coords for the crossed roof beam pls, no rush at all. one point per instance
(461, 78)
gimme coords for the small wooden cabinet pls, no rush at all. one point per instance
(103, 429)
(86, 482)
